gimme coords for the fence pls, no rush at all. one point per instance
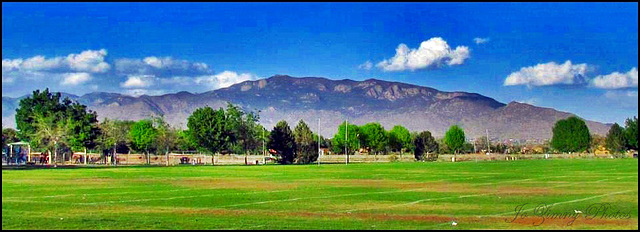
(202, 159)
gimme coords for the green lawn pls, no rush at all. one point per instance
(476, 195)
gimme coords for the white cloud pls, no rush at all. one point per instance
(162, 67)
(153, 62)
(621, 94)
(617, 80)
(531, 101)
(87, 61)
(75, 78)
(10, 65)
(549, 74)
(40, 63)
(432, 53)
(139, 92)
(138, 81)
(479, 40)
(366, 65)
(224, 79)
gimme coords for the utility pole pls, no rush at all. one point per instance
(488, 143)
(346, 132)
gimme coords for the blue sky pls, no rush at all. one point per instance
(576, 57)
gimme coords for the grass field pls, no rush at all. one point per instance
(476, 195)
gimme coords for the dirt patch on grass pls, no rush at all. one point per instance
(233, 183)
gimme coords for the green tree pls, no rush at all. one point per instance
(571, 135)
(208, 129)
(351, 141)
(424, 143)
(45, 104)
(631, 133)
(455, 139)
(114, 135)
(143, 136)
(400, 138)
(81, 126)
(307, 148)
(374, 136)
(9, 135)
(237, 128)
(184, 141)
(616, 141)
(282, 141)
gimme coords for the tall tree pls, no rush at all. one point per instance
(631, 133)
(252, 139)
(143, 136)
(82, 126)
(351, 141)
(307, 148)
(114, 135)
(208, 129)
(237, 127)
(424, 143)
(45, 104)
(399, 138)
(616, 141)
(374, 136)
(571, 135)
(49, 134)
(454, 138)
(166, 136)
(282, 141)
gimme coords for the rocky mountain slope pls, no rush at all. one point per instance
(332, 101)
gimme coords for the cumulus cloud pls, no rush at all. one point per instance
(549, 74)
(617, 80)
(224, 79)
(366, 65)
(75, 78)
(87, 61)
(433, 53)
(138, 81)
(479, 40)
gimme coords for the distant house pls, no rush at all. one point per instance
(601, 150)
(532, 149)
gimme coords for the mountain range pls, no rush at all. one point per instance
(289, 98)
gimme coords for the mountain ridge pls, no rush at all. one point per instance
(309, 98)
